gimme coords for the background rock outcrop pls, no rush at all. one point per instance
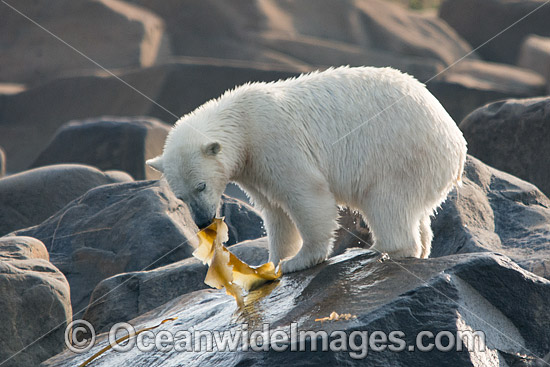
(505, 23)
(108, 143)
(512, 135)
(112, 33)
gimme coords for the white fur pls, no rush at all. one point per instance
(280, 143)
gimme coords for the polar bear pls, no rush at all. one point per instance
(372, 139)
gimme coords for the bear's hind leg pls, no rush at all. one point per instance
(315, 213)
(395, 230)
(426, 236)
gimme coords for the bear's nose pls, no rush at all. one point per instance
(203, 224)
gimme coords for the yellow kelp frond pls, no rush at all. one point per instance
(227, 270)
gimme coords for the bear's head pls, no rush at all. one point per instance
(192, 167)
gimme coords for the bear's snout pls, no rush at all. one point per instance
(201, 216)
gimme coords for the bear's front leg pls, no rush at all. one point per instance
(314, 211)
(282, 235)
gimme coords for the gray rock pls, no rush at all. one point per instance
(535, 55)
(512, 136)
(459, 292)
(126, 296)
(243, 221)
(479, 21)
(30, 197)
(112, 33)
(250, 30)
(233, 190)
(34, 302)
(114, 229)
(108, 143)
(495, 212)
(473, 83)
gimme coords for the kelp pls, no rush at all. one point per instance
(227, 270)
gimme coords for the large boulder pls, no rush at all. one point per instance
(128, 295)
(495, 212)
(512, 136)
(108, 143)
(122, 228)
(30, 197)
(473, 83)
(535, 55)
(114, 229)
(35, 303)
(112, 33)
(504, 23)
(442, 296)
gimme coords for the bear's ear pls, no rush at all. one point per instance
(156, 163)
(211, 149)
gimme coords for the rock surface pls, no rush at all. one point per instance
(34, 302)
(473, 83)
(126, 296)
(535, 55)
(108, 143)
(384, 295)
(479, 21)
(112, 33)
(512, 136)
(30, 197)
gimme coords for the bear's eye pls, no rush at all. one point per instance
(201, 186)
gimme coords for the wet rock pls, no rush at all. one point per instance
(495, 212)
(535, 55)
(114, 229)
(30, 197)
(446, 294)
(473, 83)
(480, 21)
(34, 302)
(126, 296)
(112, 33)
(512, 136)
(108, 143)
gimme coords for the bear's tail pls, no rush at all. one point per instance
(458, 180)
